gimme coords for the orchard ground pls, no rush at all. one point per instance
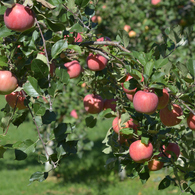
(85, 176)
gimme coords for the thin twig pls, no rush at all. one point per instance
(76, 17)
(182, 102)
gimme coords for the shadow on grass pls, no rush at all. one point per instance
(10, 164)
(89, 169)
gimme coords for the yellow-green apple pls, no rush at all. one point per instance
(169, 116)
(74, 114)
(8, 82)
(140, 152)
(16, 100)
(127, 28)
(145, 102)
(132, 33)
(173, 147)
(191, 121)
(163, 100)
(73, 68)
(19, 18)
(110, 103)
(96, 62)
(154, 164)
(93, 104)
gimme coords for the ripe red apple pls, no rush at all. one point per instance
(93, 103)
(8, 82)
(73, 68)
(110, 103)
(127, 28)
(129, 124)
(96, 62)
(140, 152)
(191, 121)
(132, 33)
(163, 100)
(74, 114)
(169, 117)
(173, 147)
(16, 99)
(104, 39)
(155, 2)
(154, 164)
(145, 102)
(130, 96)
(19, 18)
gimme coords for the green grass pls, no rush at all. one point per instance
(85, 176)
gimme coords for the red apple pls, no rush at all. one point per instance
(173, 147)
(191, 121)
(145, 102)
(19, 18)
(73, 68)
(169, 117)
(129, 124)
(96, 19)
(155, 2)
(163, 100)
(140, 152)
(74, 114)
(130, 96)
(154, 164)
(8, 82)
(93, 103)
(16, 99)
(110, 103)
(96, 62)
(104, 39)
(77, 39)
(127, 28)
(130, 91)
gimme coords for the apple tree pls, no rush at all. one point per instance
(145, 82)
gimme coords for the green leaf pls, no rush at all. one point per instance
(76, 28)
(5, 32)
(60, 151)
(160, 63)
(39, 109)
(39, 68)
(2, 150)
(144, 140)
(63, 75)
(165, 183)
(42, 159)
(20, 155)
(148, 68)
(158, 77)
(60, 131)
(90, 121)
(191, 67)
(48, 117)
(110, 163)
(58, 47)
(127, 131)
(19, 118)
(46, 4)
(140, 56)
(69, 146)
(107, 150)
(71, 5)
(55, 26)
(75, 48)
(32, 88)
(82, 3)
(3, 61)
(38, 176)
(124, 118)
(183, 70)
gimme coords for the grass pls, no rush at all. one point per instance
(85, 176)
